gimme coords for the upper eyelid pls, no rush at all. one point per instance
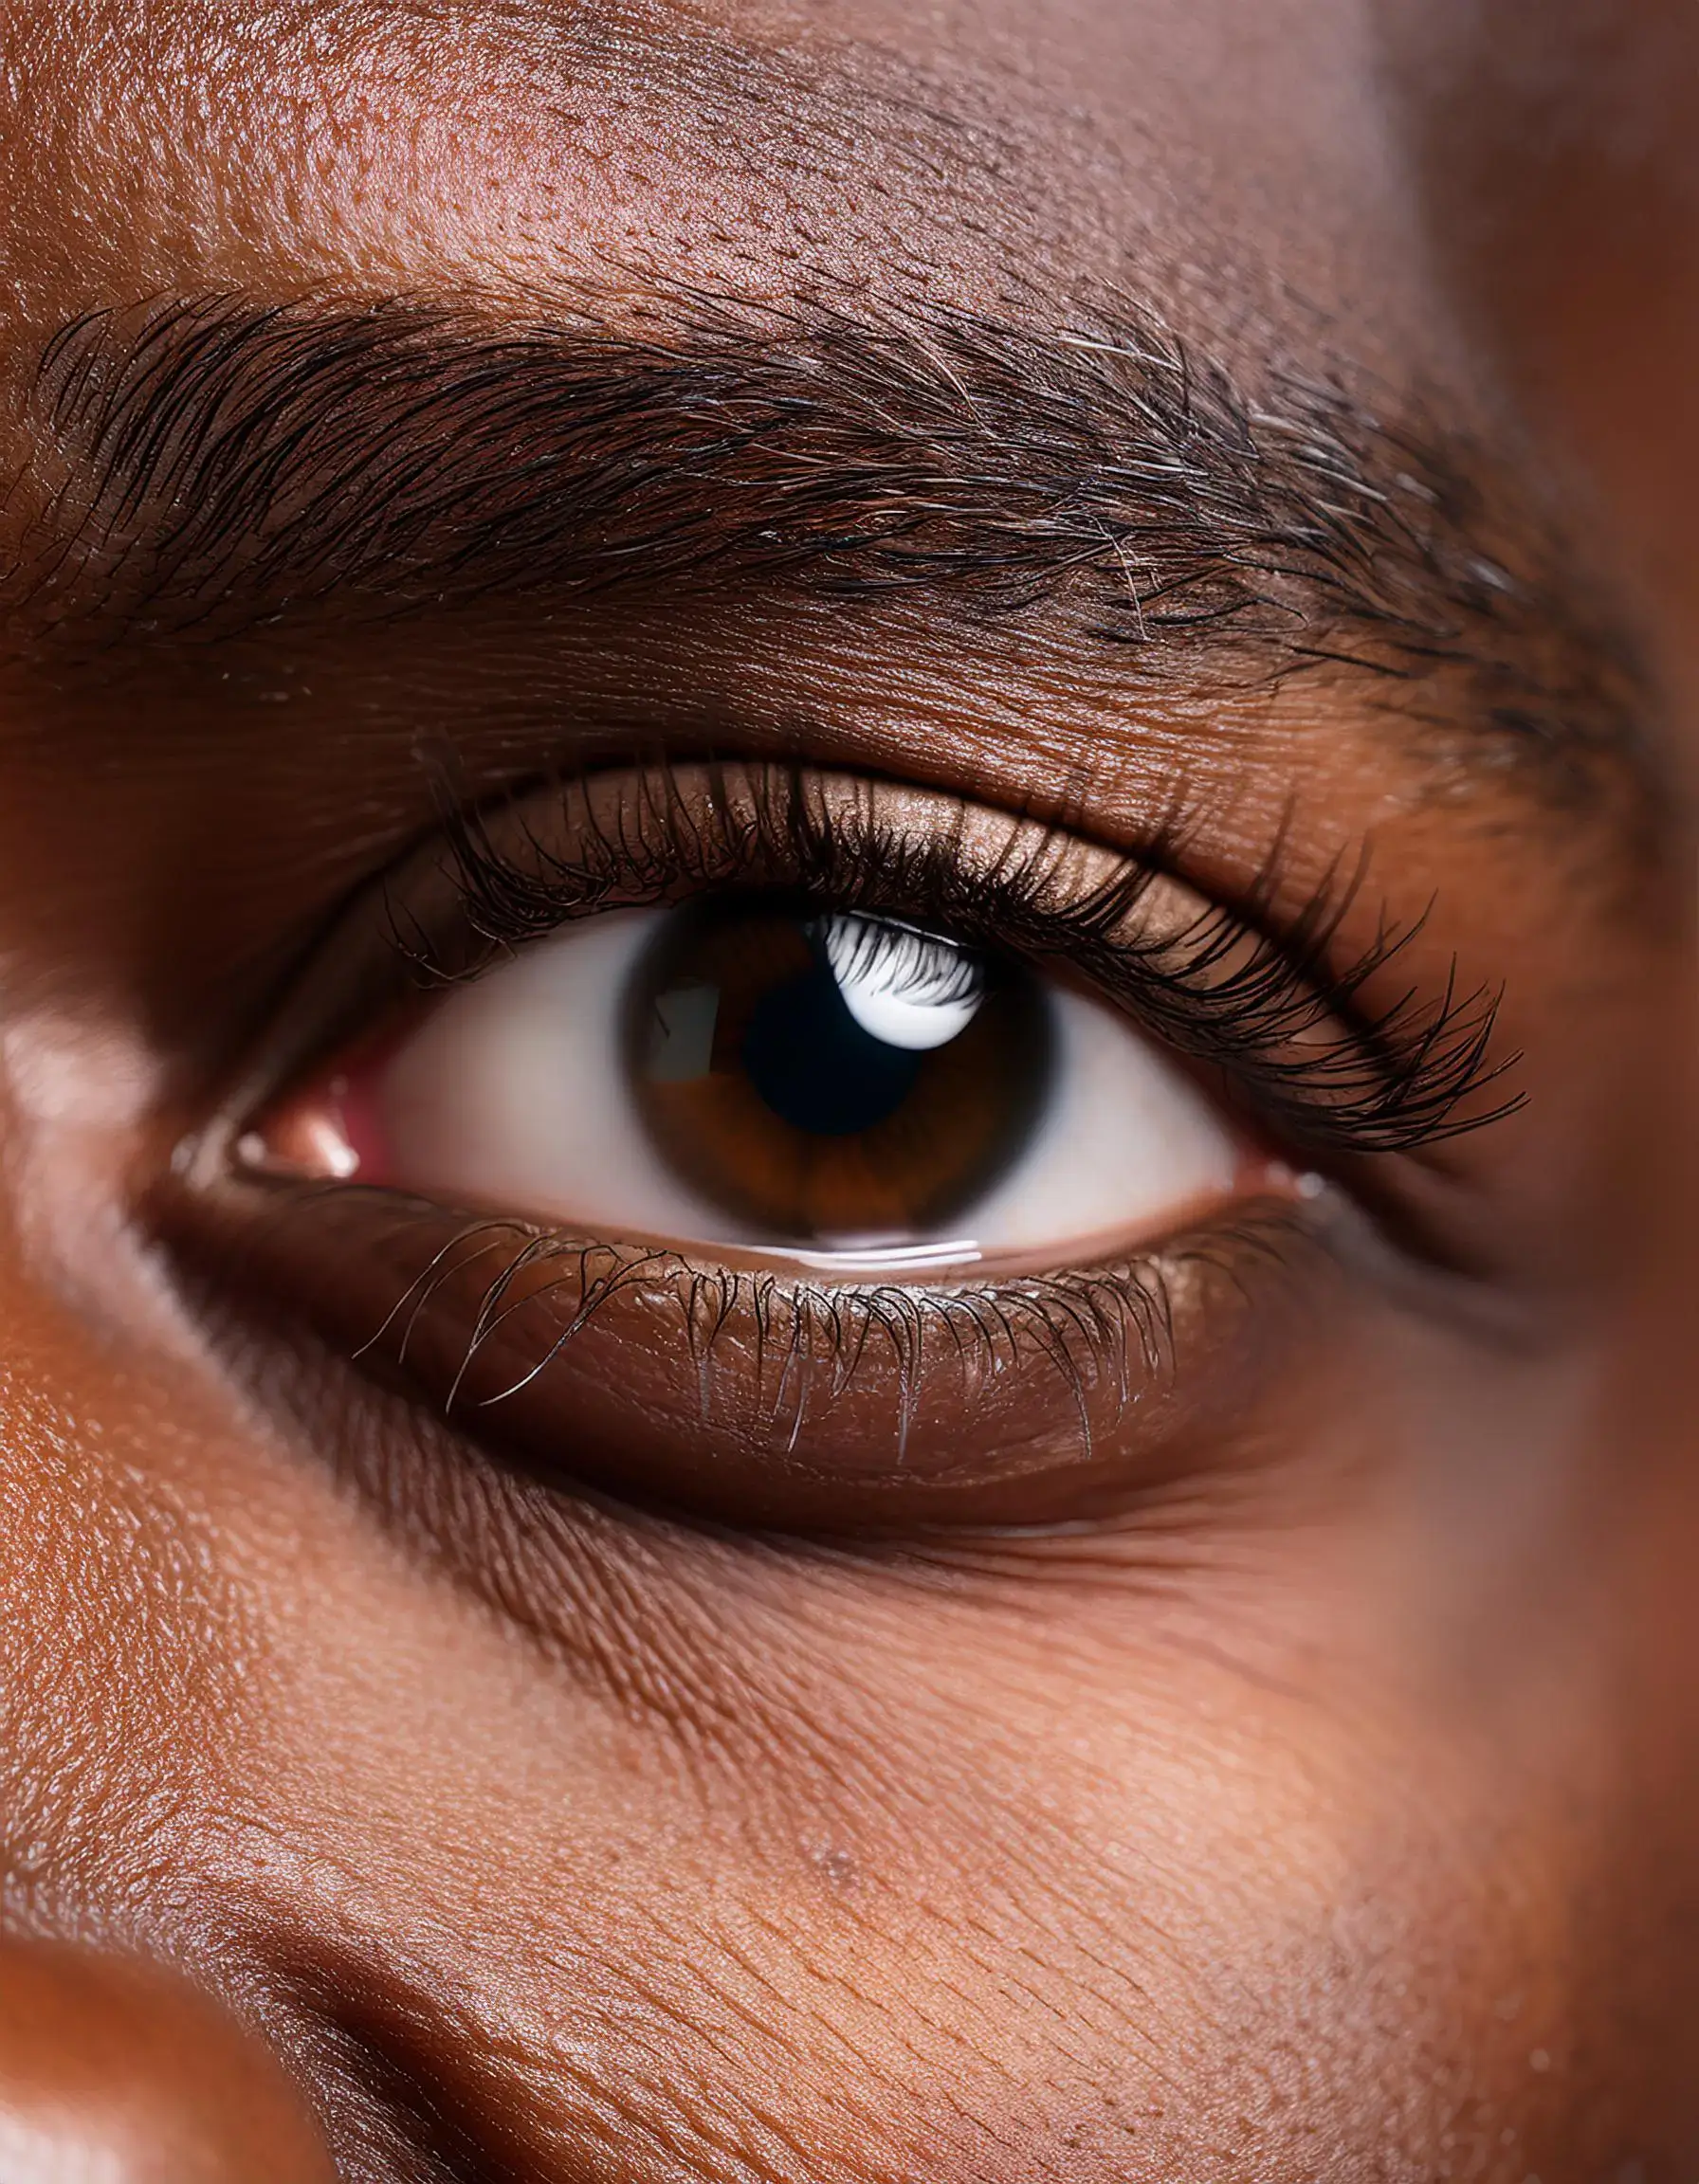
(1398, 1080)
(511, 899)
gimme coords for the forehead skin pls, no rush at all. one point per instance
(1218, 165)
(620, 1907)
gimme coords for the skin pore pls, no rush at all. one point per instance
(1232, 1724)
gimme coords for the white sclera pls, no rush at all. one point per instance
(514, 1094)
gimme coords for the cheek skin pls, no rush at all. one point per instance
(759, 1866)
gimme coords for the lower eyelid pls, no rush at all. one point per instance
(761, 1400)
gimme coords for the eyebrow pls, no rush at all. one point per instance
(215, 461)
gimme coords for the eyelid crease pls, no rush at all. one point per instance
(1231, 985)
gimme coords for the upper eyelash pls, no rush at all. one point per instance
(1396, 1079)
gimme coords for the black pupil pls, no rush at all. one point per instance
(815, 1066)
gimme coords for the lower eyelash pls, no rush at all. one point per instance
(742, 1397)
(1101, 1331)
(1079, 1319)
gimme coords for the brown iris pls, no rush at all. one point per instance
(832, 1077)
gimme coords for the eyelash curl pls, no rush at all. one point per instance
(1267, 1004)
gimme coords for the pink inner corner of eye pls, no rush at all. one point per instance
(332, 1128)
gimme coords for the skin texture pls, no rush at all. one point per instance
(114, 2070)
(1310, 1802)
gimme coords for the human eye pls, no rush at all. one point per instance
(781, 1070)
(812, 1148)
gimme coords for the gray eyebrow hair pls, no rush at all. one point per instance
(215, 461)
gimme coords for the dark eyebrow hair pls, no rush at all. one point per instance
(214, 461)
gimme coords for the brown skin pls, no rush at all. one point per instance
(115, 2069)
(1316, 1805)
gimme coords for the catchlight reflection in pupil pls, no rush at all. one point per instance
(834, 1077)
